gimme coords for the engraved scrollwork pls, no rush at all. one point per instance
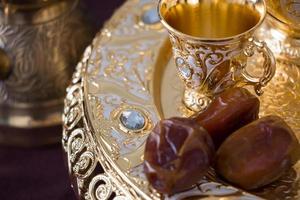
(124, 139)
(73, 110)
(100, 188)
(85, 165)
(42, 55)
(76, 143)
(73, 117)
(76, 77)
(119, 63)
(124, 66)
(198, 63)
(79, 70)
(74, 95)
(118, 60)
(81, 160)
(81, 156)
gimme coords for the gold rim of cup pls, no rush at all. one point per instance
(198, 92)
(262, 11)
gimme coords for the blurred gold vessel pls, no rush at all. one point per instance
(40, 43)
(282, 30)
(286, 12)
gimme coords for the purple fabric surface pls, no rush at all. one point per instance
(40, 173)
(34, 174)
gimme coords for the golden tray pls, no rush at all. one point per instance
(127, 78)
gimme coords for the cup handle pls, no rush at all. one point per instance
(269, 64)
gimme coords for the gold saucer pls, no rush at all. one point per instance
(124, 84)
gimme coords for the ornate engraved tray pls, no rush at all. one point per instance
(124, 84)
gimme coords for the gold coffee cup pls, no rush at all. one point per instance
(211, 41)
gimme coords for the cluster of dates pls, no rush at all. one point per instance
(246, 151)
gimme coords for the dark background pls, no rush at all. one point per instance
(40, 173)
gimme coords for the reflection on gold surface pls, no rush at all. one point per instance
(281, 97)
(215, 58)
(287, 11)
(129, 66)
(217, 19)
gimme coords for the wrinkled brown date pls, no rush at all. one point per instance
(178, 153)
(258, 153)
(228, 112)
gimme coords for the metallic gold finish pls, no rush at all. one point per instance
(20, 12)
(282, 30)
(5, 65)
(211, 45)
(284, 46)
(130, 65)
(287, 13)
(40, 43)
(210, 19)
(29, 4)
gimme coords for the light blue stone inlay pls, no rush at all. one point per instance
(132, 120)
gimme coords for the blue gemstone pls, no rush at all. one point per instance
(132, 120)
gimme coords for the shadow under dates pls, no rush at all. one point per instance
(282, 189)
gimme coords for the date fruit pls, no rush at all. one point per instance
(178, 153)
(258, 153)
(231, 110)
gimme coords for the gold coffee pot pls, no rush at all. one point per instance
(287, 12)
(41, 42)
(282, 29)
